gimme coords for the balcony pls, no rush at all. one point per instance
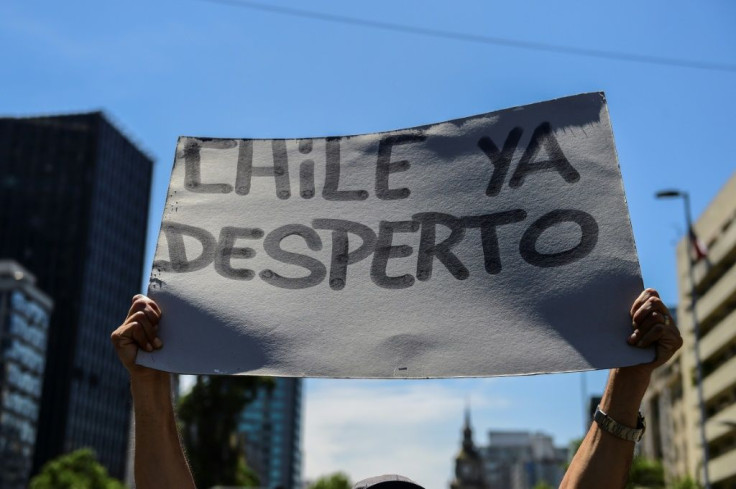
(717, 295)
(718, 425)
(723, 467)
(720, 380)
(718, 336)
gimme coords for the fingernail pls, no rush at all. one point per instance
(149, 347)
(158, 343)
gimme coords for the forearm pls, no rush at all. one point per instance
(603, 460)
(159, 459)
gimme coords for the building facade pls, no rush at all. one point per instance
(521, 460)
(671, 404)
(24, 320)
(271, 426)
(74, 196)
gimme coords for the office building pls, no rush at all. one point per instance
(271, 427)
(24, 320)
(74, 196)
(671, 404)
(511, 460)
(521, 460)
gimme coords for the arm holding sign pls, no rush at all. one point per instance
(159, 458)
(604, 459)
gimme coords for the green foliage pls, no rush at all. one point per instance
(209, 415)
(645, 474)
(338, 480)
(248, 476)
(686, 483)
(76, 470)
(543, 485)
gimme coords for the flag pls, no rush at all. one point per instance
(699, 248)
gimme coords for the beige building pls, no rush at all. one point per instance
(671, 404)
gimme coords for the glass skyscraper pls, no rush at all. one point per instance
(74, 196)
(271, 426)
(24, 322)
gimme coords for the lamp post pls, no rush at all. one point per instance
(668, 194)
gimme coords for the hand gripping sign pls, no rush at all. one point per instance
(498, 244)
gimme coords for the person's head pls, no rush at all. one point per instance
(388, 481)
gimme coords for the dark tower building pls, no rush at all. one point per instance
(74, 196)
(271, 426)
(468, 463)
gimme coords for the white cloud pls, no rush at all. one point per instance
(368, 428)
(373, 427)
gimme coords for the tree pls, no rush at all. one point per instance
(338, 480)
(646, 474)
(76, 470)
(209, 415)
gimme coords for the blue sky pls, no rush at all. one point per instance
(165, 69)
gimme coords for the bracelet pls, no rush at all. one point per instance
(610, 425)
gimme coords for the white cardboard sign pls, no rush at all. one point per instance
(497, 244)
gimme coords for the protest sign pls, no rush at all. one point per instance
(497, 244)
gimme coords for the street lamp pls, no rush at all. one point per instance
(668, 194)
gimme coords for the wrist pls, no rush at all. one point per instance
(148, 377)
(151, 390)
(635, 378)
(624, 393)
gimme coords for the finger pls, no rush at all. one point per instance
(650, 331)
(130, 332)
(656, 317)
(155, 307)
(151, 327)
(643, 340)
(654, 320)
(118, 337)
(141, 302)
(145, 312)
(138, 304)
(138, 333)
(643, 297)
(667, 340)
(139, 328)
(652, 304)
